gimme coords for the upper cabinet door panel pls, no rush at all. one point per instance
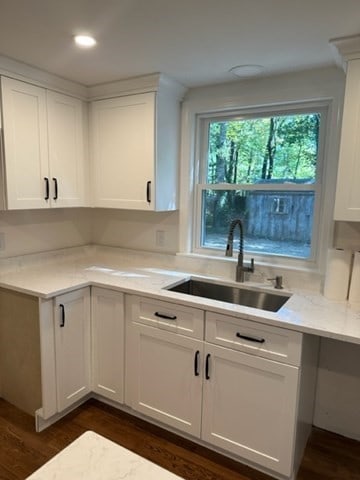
(25, 142)
(66, 150)
(347, 204)
(124, 151)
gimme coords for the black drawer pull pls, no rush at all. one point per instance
(164, 315)
(196, 363)
(47, 189)
(251, 339)
(62, 321)
(207, 376)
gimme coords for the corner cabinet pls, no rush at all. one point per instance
(347, 203)
(135, 149)
(43, 132)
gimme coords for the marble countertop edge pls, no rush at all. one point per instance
(306, 312)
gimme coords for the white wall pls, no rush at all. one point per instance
(149, 231)
(32, 231)
(338, 388)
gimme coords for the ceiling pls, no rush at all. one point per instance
(194, 41)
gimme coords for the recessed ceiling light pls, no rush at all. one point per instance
(244, 71)
(85, 41)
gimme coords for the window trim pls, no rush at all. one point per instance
(201, 146)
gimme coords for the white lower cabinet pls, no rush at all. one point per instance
(164, 380)
(238, 399)
(163, 366)
(249, 407)
(107, 317)
(72, 346)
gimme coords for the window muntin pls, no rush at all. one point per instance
(264, 169)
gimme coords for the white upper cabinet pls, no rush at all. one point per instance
(347, 200)
(66, 150)
(347, 204)
(135, 148)
(43, 146)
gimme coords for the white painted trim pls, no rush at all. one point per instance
(27, 73)
(346, 48)
(142, 84)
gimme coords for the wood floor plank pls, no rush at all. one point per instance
(22, 450)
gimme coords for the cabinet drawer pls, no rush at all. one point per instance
(258, 339)
(168, 316)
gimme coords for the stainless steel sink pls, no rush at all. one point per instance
(261, 299)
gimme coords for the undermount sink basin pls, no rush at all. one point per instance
(261, 299)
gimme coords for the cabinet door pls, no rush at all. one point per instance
(249, 407)
(347, 203)
(25, 144)
(107, 315)
(66, 150)
(72, 346)
(123, 135)
(163, 376)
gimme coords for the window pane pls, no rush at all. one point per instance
(278, 223)
(277, 149)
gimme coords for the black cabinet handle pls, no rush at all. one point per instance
(47, 188)
(164, 315)
(207, 376)
(196, 363)
(148, 192)
(62, 320)
(251, 339)
(56, 188)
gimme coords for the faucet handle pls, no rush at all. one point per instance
(252, 265)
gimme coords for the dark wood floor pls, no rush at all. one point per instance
(22, 451)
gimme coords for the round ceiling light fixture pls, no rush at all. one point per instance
(84, 41)
(246, 71)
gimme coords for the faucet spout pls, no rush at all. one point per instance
(240, 267)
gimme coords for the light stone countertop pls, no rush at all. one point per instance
(49, 275)
(93, 457)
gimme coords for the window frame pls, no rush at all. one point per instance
(200, 175)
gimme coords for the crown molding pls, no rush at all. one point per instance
(345, 49)
(27, 73)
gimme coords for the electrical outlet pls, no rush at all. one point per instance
(160, 238)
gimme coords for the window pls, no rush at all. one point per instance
(263, 168)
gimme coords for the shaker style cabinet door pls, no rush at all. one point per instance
(164, 378)
(250, 406)
(72, 346)
(66, 150)
(25, 145)
(43, 147)
(123, 148)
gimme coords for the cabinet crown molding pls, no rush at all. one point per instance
(345, 49)
(146, 83)
(153, 82)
